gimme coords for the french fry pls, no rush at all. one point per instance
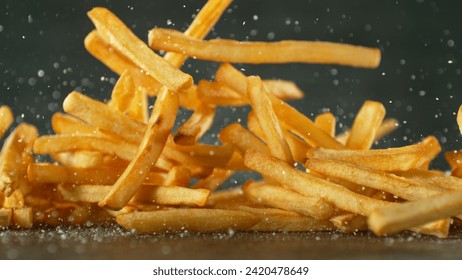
(242, 139)
(20, 141)
(279, 220)
(23, 218)
(432, 177)
(214, 180)
(129, 100)
(387, 127)
(118, 63)
(43, 173)
(178, 176)
(100, 115)
(281, 198)
(222, 50)
(67, 124)
(365, 126)
(218, 93)
(312, 186)
(285, 90)
(391, 159)
(297, 122)
(398, 217)
(297, 146)
(193, 129)
(15, 200)
(113, 31)
(6, 119)
(375, 179)
(165, 195)
(432, 148)
(349, 223)
(233, 195)
(205, 155)
(200, 26)
(6, 216)
(176, 220)
(68, 143)
(88, 159)
(453, 158)
(459, 118)
(160, 124)
(261, 105)
(326, 122)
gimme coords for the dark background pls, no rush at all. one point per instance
(42, 57)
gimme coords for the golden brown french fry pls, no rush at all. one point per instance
(297, 146)
(100, 115)
(15, 200)
(285, 90)
(261, 106)
(196, 126)
(160, 124)
(118, 63)
(365, 125)
(6, 216)
(287, 115)
(165, 195)
(198, 154)
(67, 124)
(88, 159)
(233, 195)
(222, 50)
(6, 119)
(432, 148)
(391, 159)
(128, 99)
(309, 185)
(193, 219)
(281, 198)
(387, 127)
(178, 176)
(52, 144)
(375, 179)
(349, 223)
(218, 93)
(171, 195)
(433, 177)
(45, 173)
(12, 169)
(200, 26)
(214, 180)
(23, 218)
(398, 217)
(326, 121)
(242, 139)
(459, 118)
(453, 158)
(279, 220)
(113, 31)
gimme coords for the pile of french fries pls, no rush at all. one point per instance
(119, 162)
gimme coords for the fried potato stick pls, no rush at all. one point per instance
(375, 179)
(6, 119)
(160, 124)
(20, 141)
(113, 31)
(223, 50)
(281, 198)
(193, 219)
(312, 186)
(296, 121)
(365, 125)
(263, 110)
(391, 159)
(395, 218)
